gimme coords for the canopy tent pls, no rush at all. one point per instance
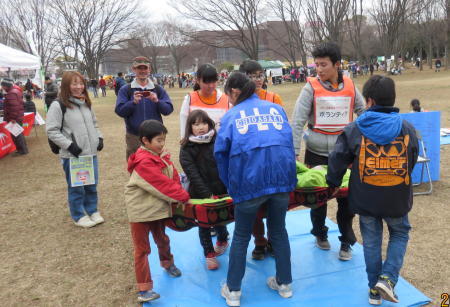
(16, 59)
(270, 64)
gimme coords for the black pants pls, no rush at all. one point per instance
(19, 141)
(344, 215)
(204, 234)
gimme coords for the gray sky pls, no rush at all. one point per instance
(159, 9)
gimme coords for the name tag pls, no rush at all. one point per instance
(332, 112)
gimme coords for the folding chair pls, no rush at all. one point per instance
(424, 160)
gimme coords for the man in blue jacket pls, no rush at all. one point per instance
(139, 101)
(255, 157)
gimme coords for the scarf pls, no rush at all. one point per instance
(202, 139)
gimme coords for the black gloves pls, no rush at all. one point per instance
(74, 149)
(100, 144)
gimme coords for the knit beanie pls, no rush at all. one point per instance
(7, 82)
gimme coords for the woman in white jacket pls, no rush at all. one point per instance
(72, 126)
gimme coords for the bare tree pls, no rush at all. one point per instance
(152, 36)
(291, 39)
(445, 5)
(33, 15)
(447, 45)
(237, 21)
(93, 27)
(426, 29)
(9, 30)
(153, 40)
(390, 16)
(177, 42)
(355, 21)
(326, 19)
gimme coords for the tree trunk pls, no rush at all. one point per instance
(304, 60)
(430, 54)
(446, 56)
(421, 59)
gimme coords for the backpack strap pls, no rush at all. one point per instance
(63, 110)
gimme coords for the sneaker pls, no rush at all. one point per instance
(211, 262)
(322, 243)
(173, 271)
(374, 297)
(85, 222)
(386, 288)
(146, 296)
(283, 290)
(220, 247)
(259, 253)
(233, 298)
(345, 253)
(97, 218)
(213, 232)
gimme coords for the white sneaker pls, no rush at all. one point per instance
(283, 290)
(233, 298)
(85, 222)
(97, 218)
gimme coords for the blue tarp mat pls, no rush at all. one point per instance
(445, 140)
(429, 125)
(320, 279)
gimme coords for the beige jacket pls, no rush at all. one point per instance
(153, 185)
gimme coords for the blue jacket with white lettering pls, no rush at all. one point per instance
(254, 150)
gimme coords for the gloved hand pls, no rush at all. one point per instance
(100, 144)
(74, 149)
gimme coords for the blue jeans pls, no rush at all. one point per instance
(372, 234)
(94, 91)
(82, 200)
(244, 216)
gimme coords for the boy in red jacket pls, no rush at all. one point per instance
(153, 185)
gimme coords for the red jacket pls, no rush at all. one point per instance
(13, 105)
(153, 185)
(102, 82)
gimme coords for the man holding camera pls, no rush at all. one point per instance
(139, 101)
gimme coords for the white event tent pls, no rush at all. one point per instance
(15, 59)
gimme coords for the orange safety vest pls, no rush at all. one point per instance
(270, 96)
(215, 111)
(332, 110)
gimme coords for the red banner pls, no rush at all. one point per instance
(6, 144)
(28, 121)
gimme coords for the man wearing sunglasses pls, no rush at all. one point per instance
(139, 101)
